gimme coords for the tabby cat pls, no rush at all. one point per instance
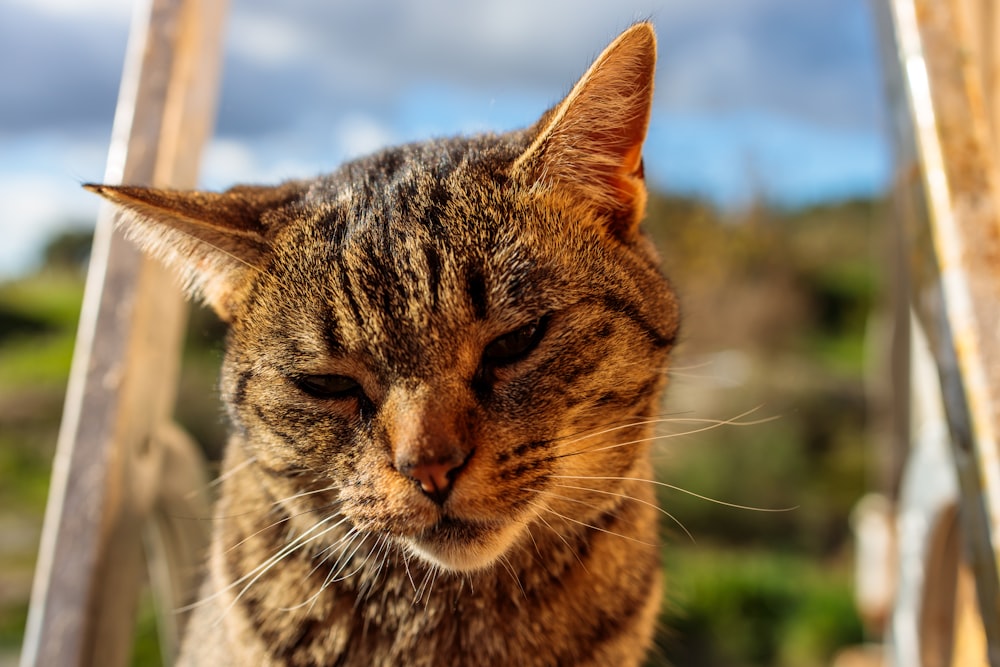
(441, 366)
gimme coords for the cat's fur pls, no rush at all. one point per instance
(440, 367)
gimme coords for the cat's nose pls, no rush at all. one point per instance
(435, 477)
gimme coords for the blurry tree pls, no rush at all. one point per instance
(69, 249)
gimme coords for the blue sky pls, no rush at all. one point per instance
(779, 99)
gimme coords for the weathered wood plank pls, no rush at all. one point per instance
(946, 56)
(106, 471)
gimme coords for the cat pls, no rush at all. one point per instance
(441, 367)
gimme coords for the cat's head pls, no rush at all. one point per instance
(443, 342)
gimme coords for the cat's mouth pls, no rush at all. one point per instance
(461, 545)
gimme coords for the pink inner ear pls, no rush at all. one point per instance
(210, 239)
(591, 144)
(631, 178)
(632, 164)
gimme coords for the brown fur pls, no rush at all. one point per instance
(440, 363)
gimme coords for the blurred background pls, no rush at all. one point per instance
(768, 158)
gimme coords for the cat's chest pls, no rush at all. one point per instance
(365, 603)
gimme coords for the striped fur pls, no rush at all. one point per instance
(485, 306)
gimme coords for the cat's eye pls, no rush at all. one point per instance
(328, 386)
(515, 345)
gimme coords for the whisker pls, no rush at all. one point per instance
(673, 373)
(682, 490)
(548, 525)
(406, 566)
(232, 471)
(332, 487)
(620, 495)
(690, 420)
(342, 545)
(268, 563)
(717, 376)
(419, 592)
(353, 572)
(338, 566)
(283, 519)
(326, 553)
(349, 537)
(288, 517)
(435, 573)
(538, 552)
(387, 548)
(624, 421)
(711, 424)
(368, 584)
(505, 562)
(291, 548)
(690, 367)
(277, 502)
(633, 499)
(297, 544)
(593, 527)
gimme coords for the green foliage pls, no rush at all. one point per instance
(788, 296)
(747, 609)
(38, 320)
(13, 617)
(776, 305)
(146, 647)
(52, 297)
(70, 249)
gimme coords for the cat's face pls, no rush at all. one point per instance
(446, 343)
(439, 346)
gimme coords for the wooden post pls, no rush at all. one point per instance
(946, 53)
(111, 452)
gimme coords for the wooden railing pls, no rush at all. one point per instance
(942, 75)
(124, 475)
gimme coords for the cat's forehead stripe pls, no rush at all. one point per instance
(475, 288)
(433, 260)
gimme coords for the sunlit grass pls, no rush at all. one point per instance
(750, 608)
(33, 362)
(41, 355)
(54, 296)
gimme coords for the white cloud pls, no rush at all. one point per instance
(357, 134)
(268, 39)
(299, 152)
(34, 209)
(265, 160)
(40, 176)
(112, 9)
(229, 161)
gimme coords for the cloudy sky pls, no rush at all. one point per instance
(774, 98)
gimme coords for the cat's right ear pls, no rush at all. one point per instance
(211, 239)
(589, 147)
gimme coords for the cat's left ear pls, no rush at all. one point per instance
(590, 145)
(210, 239)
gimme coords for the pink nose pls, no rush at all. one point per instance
(435, 477)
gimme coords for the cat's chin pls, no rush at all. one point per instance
(460, 546)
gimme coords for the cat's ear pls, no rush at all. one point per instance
(591, 143)
(211, 239)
